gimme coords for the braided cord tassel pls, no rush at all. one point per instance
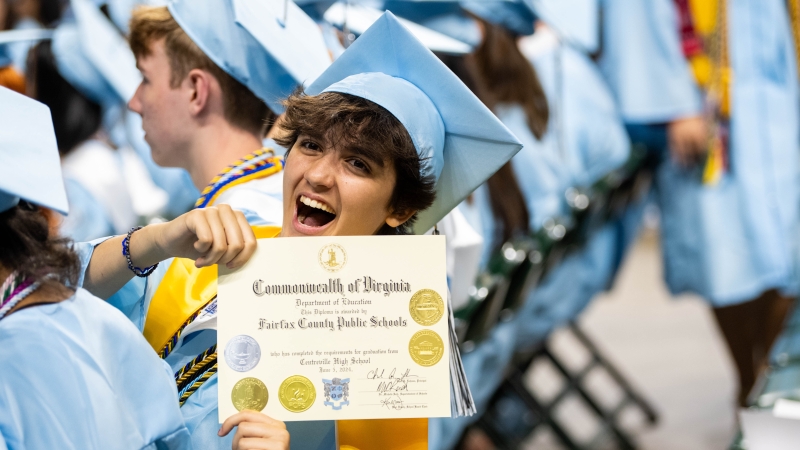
(196, 385)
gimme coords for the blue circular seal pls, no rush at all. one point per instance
(242, 353)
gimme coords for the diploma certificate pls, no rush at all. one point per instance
(328, 328)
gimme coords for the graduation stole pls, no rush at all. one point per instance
(704, 35)
(185, 290)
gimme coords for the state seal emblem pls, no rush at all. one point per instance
(332, 257)
(336, 392)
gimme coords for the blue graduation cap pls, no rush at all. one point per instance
(514, 15)
(443, 16)
(358, 18)
(270, 46)
(93, 57)
(458, 137)
(315, 8)
(11, 36)
(30, 168)
(575, 21)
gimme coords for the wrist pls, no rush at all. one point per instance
(145, 246)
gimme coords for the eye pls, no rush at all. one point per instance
(359, 164)
(310, 145)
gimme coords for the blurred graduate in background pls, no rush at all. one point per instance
(728, 189)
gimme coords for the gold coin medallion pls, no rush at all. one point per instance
(426, 348)
(297, 393)
(249, 393)
(426, 307)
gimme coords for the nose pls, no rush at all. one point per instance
(322, 172)
(135, 104)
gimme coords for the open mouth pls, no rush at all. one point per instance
(313, 213)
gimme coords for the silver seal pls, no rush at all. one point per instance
(242, 353)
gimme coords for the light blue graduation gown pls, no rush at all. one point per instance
(201, 409)
(732, 241)
(643, 61)
(594, 143)
(77, 375)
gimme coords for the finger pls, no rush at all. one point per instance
(261, 444)
(233, 234)
(249, 239)
(247, 416)
(219, 244)
(197, 225)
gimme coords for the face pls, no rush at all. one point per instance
(164, 109)
(335, 192)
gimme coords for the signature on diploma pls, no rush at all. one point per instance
(391, 382)
(393, 402)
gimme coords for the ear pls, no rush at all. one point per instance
(397, 218)
(200, 84)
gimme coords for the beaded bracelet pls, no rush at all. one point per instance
(126, 252)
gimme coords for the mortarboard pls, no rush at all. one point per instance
(513, 15)
(358, 18)
(30, 168)
(444, 16)
(270, 46)
(575, 21)
(459, 139)
(11, 36)
(93, 57)
(315, 8)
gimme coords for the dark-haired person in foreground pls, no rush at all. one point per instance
(75, 372)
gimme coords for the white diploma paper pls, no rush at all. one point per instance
(329, 328)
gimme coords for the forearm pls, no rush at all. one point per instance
(108, 269)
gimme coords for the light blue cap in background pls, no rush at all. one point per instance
(315, 8)
(93, 57)
(11, 36)
(251, 41)
(459, 140)
(446, 17)
(359, 17)
(513, 15)
(575, 21)
(120, 10)
(30, 168)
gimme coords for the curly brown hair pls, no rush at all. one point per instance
(368, 129)
(28, 247)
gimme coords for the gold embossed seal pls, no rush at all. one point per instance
(249, 393)
(426, 307)
(297, 393)
(426, 348)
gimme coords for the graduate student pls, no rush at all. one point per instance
(729, 219)
(76, 373)
(386, 141)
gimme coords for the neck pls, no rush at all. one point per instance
(215, 148)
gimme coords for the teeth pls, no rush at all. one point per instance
(315, 204)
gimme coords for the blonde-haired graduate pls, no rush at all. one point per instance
(75, 372)
(386, 141)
